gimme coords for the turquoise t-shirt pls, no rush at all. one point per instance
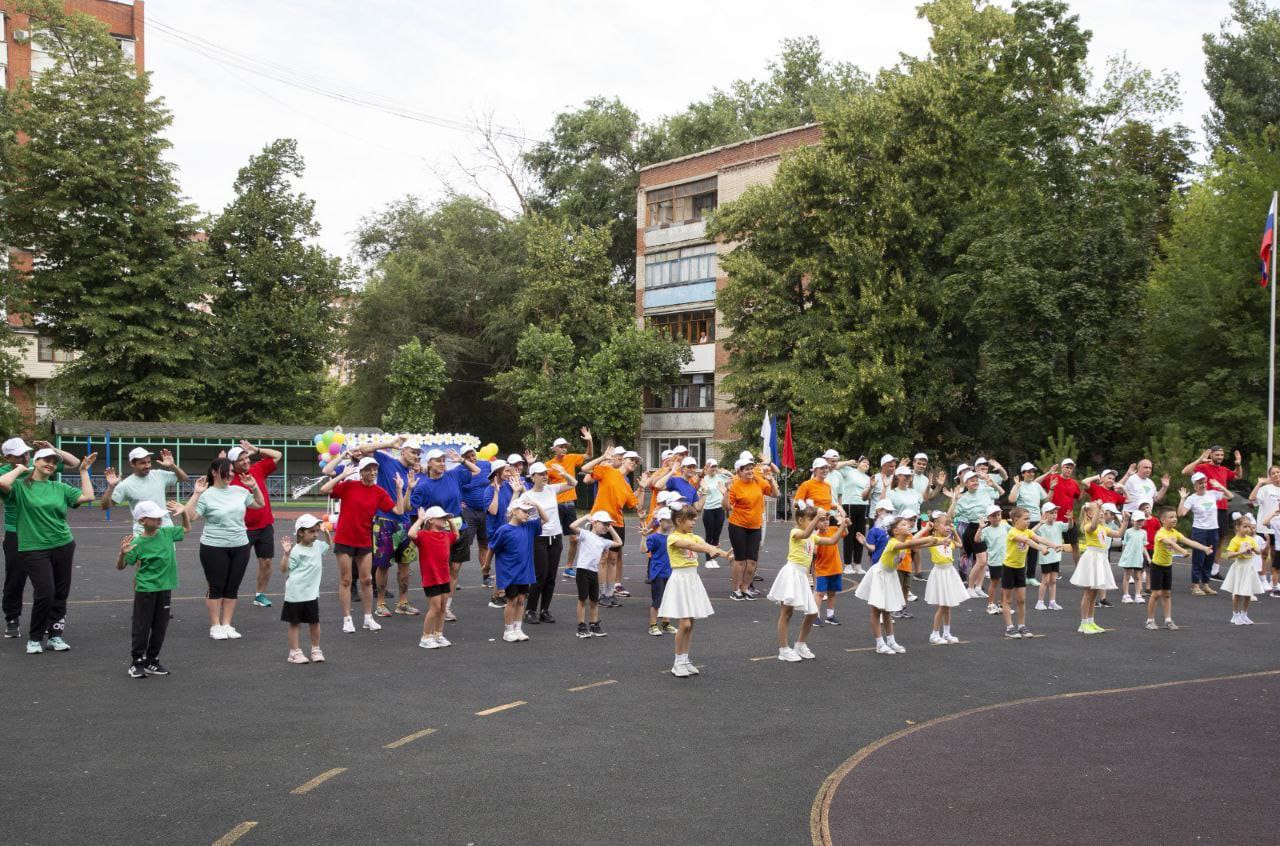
(971, 506)
(995, 537)
(1134, 542)
(1031, 496)
(853, 482)
(303, 584)
(223, 513)
(133, 489)
(904, 498)
(1050, 530)
(712, 489)
(42, 513)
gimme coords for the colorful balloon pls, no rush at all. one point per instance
(318, 439)
(328, 436)
(339, 438)
(335, 449)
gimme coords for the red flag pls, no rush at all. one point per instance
(788, 448)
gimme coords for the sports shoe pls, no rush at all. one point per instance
(817, 622)
(1196, 590)
(1126, 599)
(487, 581)
(655, 630)
(442, 640)
(1151, 625)
(317, 657)
(1033, 583)
(449, 616)
(545, 617)
(904, 614)
(803, 650)
(680, 670)
(737, 596)
(57, 644)
(1012, 632)
(667, 628)
(347, 625)
(34, 647)
(1093, 628)
(619, 590)
(1236, 621)
(992, 608)
(296, 657)
(858, 570)
(596, 631)
(831, 621)
(848, 570)
(584, 632)
(1276, 593)
(1054, 606)
(918, 578)
(231, 633)
(155, 668)
(757, 578)
(1244, 618)
(1105, 603)
(786, 653)
(885, 649)
(1137, 597)
(982, 594)
(688, 665)
(1024, 631)
(1171, 625)
(406, 609)
(217, 633)
(429, 643)
(371, 624)
(937, 638)
(497, 602)
(752, 594)
(973, 593)
(531, 618)
(1040, 606)
(11, 628)
(950, 638)
(262, 600)
(509, 636)
(520, 635)
(897, 647)
(1210, 591)
(136, 671)
(911, 597)
(382, 611)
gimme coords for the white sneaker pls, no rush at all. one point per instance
(911, 597)
(1054, 606)
(520, 635)
(509, 636)
(858, 570)
(217, 633)
(897, 647)
(803, 650)
(443, 641)
(1244, 618)
(680, 670)
(848, 570)
(786, 653)
(937, 639)
(1040, 606)
(981, 593)
(950, 638)
(449, 616)
(429, 643)
(347, 625)
(885, 649)
(992, 608)
(973, 594)
(231, 633)
(1126, 599)
(371, 624)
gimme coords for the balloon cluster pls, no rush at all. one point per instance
(329, 444)
(487, 452)
(332, 442)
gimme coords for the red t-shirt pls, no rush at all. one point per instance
(433, 556)
(1151, 526)
(359, 503)
(1063, 494)
(1098, 493)
(1220, 474)
(259, 518)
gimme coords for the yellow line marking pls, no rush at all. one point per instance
(819, 822)
(763, 658)
(487, 711)
(862, 649)
(593, 684)
(317, 781)
(949, 644)
(409, 738)
(235, 834)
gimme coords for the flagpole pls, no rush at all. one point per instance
(1271, 374)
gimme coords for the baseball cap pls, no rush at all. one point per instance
(496, 465)
(1048, 506)
(937, 515)
(631, 453)
(139, 452)
(306, 521)
(521, 504)
(1027, 465)
(412, 443)
(366, 461)
(1108, 472)
(960, 470)
(968, 474)
(1195, 477)
(884, 505)
(559, 442)
(147, 508)
(921, 455)
(666, 453)
(434, 453)
(1064, 462)
(712, 462)
(904, 470)
(537, 467)
(831, 453)
(680, 449)
(466, 449)
(1216, 447)
(743, 462)
(886, 458)
(691, 462)
(819, 463)
(233, 454)
(746, 453)
(1135, 516)
(435, 512)
(602, 517)
(619, 450)
(661, 514)
(1110, 506)
(993, 509)
(909, 513)
(15, 446)
(514, 459)
(980, 460)
(45, 453)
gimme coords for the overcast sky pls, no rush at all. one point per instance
(520, 62)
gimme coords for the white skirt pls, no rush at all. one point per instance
(945, 587)
(1093, 570)
(1242, 579)
(791, 587)
(881, 589)
(685, 597)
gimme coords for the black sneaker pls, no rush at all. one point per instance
(897, 615)
(596, 631)
(757, 578)
(487, 581)
(497, 602)
(737, 596)
(546, 617)
(906, 615)
(137, 671)
(582, 630)
(11, 628)
(1104, 603)
(531, 618)
(817, 622)
(832, 621)
(155, 668)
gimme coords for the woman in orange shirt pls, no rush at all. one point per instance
(745, 499)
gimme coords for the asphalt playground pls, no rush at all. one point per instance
(1132, 734)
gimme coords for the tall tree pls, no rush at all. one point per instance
(417, 382)
(116, 270)
(10, 374)
(1242, 75)
(274, 296)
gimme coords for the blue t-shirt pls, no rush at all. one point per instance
(476, 491)
(687, 491)
(389, 467)
(445, 492)
(659, 562)
(879, 539)
(513, 552)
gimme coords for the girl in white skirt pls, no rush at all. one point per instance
(1093, 570)
(945, 588)
(881, 588)
(791, 586)
(685, 599)
(1242, 582)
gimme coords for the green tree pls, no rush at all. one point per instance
(10, 374)
(417, 382)
(1242, 74)
(115, 270)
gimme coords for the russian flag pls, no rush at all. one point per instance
(1268, 241)
(769, 438)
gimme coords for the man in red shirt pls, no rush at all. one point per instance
(1064, 490)
(361, 499)
(258, 522)
(1102, 488)
(1210, 464)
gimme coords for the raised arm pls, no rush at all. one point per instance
(200, 486)
(86, 483)
(273, 454)
(1182, 500)
(1191, 468)
(333, 482)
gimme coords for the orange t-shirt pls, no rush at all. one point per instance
(746, 502)
(612, 493)
(559, 468)
(819, 492)
(826, 559)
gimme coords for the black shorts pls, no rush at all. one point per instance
(513, 591)
(588, 582)
(460, 550)
(477, 528)
(263, 541)
(997, 573)
(657, 587)
(745, 543)
(1071, 535)
(435, 590)
(1161, 577)
(621, 529)
(970, 541)
(568, 512)
(356, 552)
(1050, 566)
(1226, 528)
(1013, 578)
(300, 612)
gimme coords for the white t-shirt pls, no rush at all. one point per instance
(546, 500)
(133, 489)
(591, 547)
(1138, 490)
(1268, 498)
(1204, 509)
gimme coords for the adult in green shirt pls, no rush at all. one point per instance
(850, 483)
(45, 545)
(16, 451)
(149, 482)
(224, 543)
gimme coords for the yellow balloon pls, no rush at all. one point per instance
(339, 438)
(487, 452)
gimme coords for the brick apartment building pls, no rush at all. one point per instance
(21, 59)
(678, 275)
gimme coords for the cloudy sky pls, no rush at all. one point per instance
(430, 67)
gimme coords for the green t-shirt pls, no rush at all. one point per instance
(1031, 496)
(156, 558)
(995, 537)
(11, 507)
(223, 513)
(303, 584)
(42, 513)
(133, 489)
(971, 506)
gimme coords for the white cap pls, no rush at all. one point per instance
(619, 451)
(1027, 465)
(909, 513)
(45, 453)
(1108, 472)
(1110, 506)
(937, 515)
(466, 449)
(661, 514)
(514, 459)
(960, 470)
(831, 453)
(139, 452)
(306, 521)
(233, 454)
(435, 512)
(1135, 516)
(496, 465)
(631, 453)
(743, 462)
(434, 453)
(1064, 462)
(366, 461)
(886, 458)
(521, 504)
(411, 443)
(680, 449)
(147, 508)
(537, 467)
(903, 470)
(820, 463)
(993, 509)
(968, 474)
(15, 446)
(746, 453)
(1195, 477)
(1148, 503)
(711, 462)
(980, 460)
(690, 462)
(920, 455)
(1048, 506)
(666, 453)
(601, 517)
(884, 505)
(559, 442)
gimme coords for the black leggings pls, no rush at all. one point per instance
(15, 578)
(857, 515)
(50, 573)
(713, 523)
(1033, 555)
(224, 569)
(745, 543)
(546, 566)
(150, 622)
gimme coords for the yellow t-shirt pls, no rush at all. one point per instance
(1242, 544)
(941, 556)
(800, 550)
(1015, 554)
(1161, 555)
(682, 557)
(893, 550)
(1097, 538)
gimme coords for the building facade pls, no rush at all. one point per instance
(678, 274)
(21, 58)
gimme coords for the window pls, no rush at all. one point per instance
(697, 448)
(695, 392)
(42, 393)
(680, 267)
(46, 351)
(696, 327)
(129, 47)
(679, 204)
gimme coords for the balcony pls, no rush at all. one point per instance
(678, 421)
(704, 359)
(671, 295)
(695, 231)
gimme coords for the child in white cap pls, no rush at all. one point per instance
(1050, 530)
(154, 554)
(302, 564)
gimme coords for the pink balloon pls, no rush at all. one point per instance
(335, 449)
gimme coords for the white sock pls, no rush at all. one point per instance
(879, 642)
(946, 630)
(935, 633)
(889, 640)
(448, 605)
(509, 627)
(831, 612)
(799, 643)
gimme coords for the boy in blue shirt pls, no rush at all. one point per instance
(512, 546)
(877, 538)
(659, 570)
